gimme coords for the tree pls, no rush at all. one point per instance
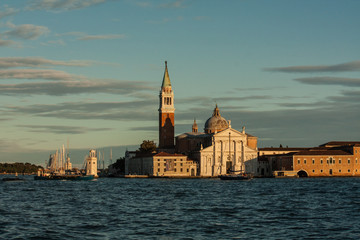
(118, 166)
(147, 146)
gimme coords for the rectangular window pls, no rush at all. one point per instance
(164, 169)
(175, 170)
(313, 161)
(339, 161)
(181, 169)
(187, 170)
(158, 164)
(321, 161)
(181, 164)
(348, 161)
(298, 161)
(304, 161)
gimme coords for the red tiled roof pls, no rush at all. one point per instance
(340, 143)
(164, 154)
(282, 149)
(328, 152)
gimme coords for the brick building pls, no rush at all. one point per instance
(337, 158)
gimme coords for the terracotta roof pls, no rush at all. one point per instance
(249, 135)
(282, 149)
(164, 154)
(340, 143)
(329, 152)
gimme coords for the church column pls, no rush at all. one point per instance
(235, 156)
(242, 167)
(214, 158)
(222, 157)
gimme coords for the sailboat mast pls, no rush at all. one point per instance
(103, 160)
(110, 156)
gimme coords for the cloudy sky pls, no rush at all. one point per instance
(90, 70)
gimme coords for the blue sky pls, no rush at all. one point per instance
(90, 71)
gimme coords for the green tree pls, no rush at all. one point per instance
(147, 146)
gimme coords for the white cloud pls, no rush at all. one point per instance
(62, 4)
(61, 88)
(8, 12)
(13, 62)
(143, 4)
(6, 42)
(61, 129)
(343, 67)
(349, 82)
(102, 37)
(37, 74)
(25, 31)
(174, 4)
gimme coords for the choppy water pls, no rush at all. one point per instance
(181, 209)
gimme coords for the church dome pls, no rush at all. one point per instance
(216, 122)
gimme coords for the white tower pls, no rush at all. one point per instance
(91, 163)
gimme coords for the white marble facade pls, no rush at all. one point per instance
(229, 152)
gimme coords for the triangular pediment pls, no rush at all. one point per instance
(225, 133)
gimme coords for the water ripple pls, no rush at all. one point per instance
(181, 209)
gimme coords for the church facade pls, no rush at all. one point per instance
(218, 150)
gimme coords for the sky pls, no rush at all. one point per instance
(89, 71)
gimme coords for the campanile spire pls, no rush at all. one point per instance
(166, 113)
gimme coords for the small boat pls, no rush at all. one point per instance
(13, 179)
(240, 176)
(64, 177)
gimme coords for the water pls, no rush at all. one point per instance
(313, 208)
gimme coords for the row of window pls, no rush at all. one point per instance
(328, 161)
(167, 100)
(181, 164)
(331, 170)
(181, 160)
(165, 170)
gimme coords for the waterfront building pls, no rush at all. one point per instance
(220, 149)
(162, 164)
(277, 161)
(91, 163)
(337, 158)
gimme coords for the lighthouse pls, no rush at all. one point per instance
(91, 163)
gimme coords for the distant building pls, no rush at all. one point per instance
(162, 164)
(339, 159)
(330, 159)
(220, 149)
(273, 160)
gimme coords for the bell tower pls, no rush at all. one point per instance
(166, 113)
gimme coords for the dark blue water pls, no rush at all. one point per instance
(310, 208)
